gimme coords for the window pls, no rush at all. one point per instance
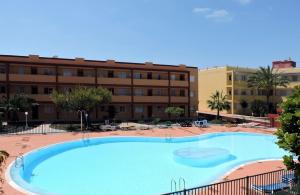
(157, 92)
(294, 78)
(2, 69)
(137, 75)
(182, 77)
(158, 77)
(182, 92)
(123, 91)
(229, 92)
(67, 72)
(139, 109)
(34, 70)
(192, 94)
(229, 77)
(80, 72)
(48, 109)
(243, 92)
(122, 109)
(20, 89)
(149, 75)
(48, 90)
(122, 75)
(138, 92)
(173, 92)
(173, 77)
(149, 92)
(34, 90)
(192, 78)
(47, 71)
(2, 89)
(21, 70)
(110, 74)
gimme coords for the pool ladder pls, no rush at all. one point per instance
(181, 184)
(19, 162)
(168, 137)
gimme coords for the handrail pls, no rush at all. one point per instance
(183, 180)
(21, 158)
(175, 185)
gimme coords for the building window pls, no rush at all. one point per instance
(230, 78)
(229, 92)
(182, 92)
(122, 109)
(150, 92)
(123, 91)
(192, 78)
(139, 109)
(173, 92)
(49, 109)
(294, 78)
(47, 71)
(181, 77)
(2, 69)
(137, 75)
(34, 90)
(243, 77)
(122, 75)
(173, 77)
(138, 92)
(110, 74)
(20, 89)
(21, 70)
(67, 72)
(158, 77)
(149, 75)
(2, 89)
(243, 93)
(34, 70)
(48, 90)
(80, 72)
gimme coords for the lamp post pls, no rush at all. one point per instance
(26, 124)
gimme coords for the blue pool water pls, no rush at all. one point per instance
(138, 165)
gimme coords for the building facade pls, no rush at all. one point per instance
(233, 82)
(141, 91)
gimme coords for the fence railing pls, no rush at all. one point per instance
(276, 182)
(30, 129)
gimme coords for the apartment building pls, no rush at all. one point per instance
(233, 82)
(140, 90)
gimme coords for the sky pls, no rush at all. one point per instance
(203, 33)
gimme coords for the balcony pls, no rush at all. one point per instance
(151, 99)
(121, 99)
(114, 81)
(76, 79)
(176, 83)
(178, 99)
(150, 82)
(32, 78)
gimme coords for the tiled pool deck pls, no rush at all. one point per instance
(20, 144)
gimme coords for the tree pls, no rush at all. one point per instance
(267, 79)
(259, 108)
(244, 104)
(175, 111)
(218, 102)
(3, 156)
(15, 104)
(289, 134)
(81, 99)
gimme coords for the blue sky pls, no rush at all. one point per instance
(200, 33)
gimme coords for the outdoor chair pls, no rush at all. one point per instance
(271, 188)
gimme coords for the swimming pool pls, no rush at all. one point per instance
(137, 165)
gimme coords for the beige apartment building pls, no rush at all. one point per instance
(233, 82)
(141, 91)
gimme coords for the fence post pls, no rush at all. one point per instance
(247, 185)
(184, 191)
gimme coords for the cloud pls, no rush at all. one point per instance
(244, 2)
(221, 13)
(201, 10)
(213, 14)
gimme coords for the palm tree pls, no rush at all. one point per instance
(267, 79)
(218, 102)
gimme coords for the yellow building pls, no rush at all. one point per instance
(233, 82)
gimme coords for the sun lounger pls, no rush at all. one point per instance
(202, 123)
(288, 178)
(271, 188)
(108, 127)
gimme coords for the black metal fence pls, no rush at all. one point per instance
(22, 129)
(276, 182)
